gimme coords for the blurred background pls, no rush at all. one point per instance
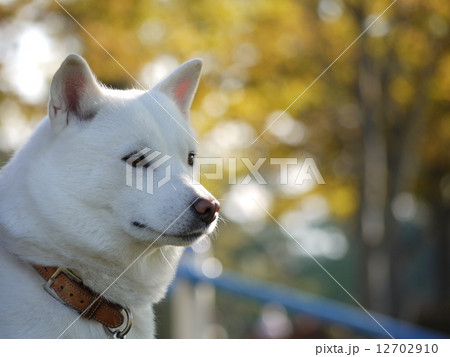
(377, 125)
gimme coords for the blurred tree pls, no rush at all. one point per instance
(397, 73)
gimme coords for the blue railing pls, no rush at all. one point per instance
(300, 302)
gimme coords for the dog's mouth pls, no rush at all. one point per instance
(139, 224)
(187, 237)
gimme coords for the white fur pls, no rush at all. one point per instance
(64, 202)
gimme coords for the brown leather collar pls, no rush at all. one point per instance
(66, 287)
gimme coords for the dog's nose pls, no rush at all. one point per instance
(207, 209)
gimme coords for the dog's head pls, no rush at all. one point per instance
(124, 158)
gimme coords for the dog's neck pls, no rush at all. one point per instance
(134, 273)
(129, 269)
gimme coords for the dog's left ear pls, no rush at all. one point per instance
(74, 92)
(182, 84)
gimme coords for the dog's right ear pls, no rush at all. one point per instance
(181, 85)
(74, 92)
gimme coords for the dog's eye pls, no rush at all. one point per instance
(191, 157)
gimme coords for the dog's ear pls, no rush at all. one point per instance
(74, 92)
(182, 84)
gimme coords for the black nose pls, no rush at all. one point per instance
(207, 209)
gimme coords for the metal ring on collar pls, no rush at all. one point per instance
(117, 334)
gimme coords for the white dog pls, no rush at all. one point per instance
(71, 221)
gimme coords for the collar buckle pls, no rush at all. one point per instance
(48, 285)
(68, 288)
